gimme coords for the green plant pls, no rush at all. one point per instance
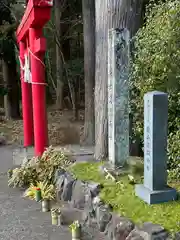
(40, 168)
(121, 196)
(75, 226)
(22, 177)
(156, 66)
(47, 191)
(55, 211)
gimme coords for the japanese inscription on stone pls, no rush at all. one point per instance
(118, 96)
(147, 137)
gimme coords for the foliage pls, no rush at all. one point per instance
(40, 169)
(55, 212)
(23, 176)
(121, 196)
(156, 66)
(174, 156)
(47, 191)
(75, 226)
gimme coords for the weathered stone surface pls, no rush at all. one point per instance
(177, 236)
(80, 192)
(2, 140)
(119, 228)
(59, 185)
(95, 188)
(149, 231)
(134, 235)
(67, 187)
(103, 217)
(154, 230)
(83, 194)
(69, 215)
(64, 185)
(58, 173)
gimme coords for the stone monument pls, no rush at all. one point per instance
(155, 189)
(118, 96)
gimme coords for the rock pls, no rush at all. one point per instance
(64, 185)
(59, 185)
(134, 235)
(69, 215)
(149, 231)
(2, 140)
(177, 236)
(58, 173)
(103, 217)
(67, 187)
(95, 188)
(119, 228)
(80, 190)
(83, 194)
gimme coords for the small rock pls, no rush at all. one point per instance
(67, 187)
(103, 217)
(58, 173)
(149, 231)
(69, 215)
(2, 140)
(119, 228)
(95, 188)
(80, 190)
(177, 236)
(59, 186)
(83, 194)
(134, 235)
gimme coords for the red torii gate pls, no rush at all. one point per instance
(32, 47)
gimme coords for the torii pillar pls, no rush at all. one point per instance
(33, 44)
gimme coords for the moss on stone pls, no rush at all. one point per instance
(122, 198)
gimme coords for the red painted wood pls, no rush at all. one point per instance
(26, 104)
(36, 15)
(38, 92)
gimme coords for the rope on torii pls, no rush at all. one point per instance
(26, 68)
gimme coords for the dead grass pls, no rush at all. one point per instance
(62, 129)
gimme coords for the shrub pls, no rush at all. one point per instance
(40, 169)
(156, 66)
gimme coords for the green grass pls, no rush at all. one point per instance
(122, 197)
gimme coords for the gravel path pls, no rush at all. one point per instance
(22, 219)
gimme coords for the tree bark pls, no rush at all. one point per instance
(88, 7)
(59, 62)
(109, 14)
(11, 100)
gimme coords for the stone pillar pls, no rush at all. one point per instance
(155, 189)
(118, 96)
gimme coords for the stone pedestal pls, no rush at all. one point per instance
(118, 97)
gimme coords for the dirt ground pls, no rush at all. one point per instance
(62, 129)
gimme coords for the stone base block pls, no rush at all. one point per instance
(22, 154)
(155, 197)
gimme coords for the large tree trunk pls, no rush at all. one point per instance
(89, 69)
(59, 62)
(11, 100)
(109, 14)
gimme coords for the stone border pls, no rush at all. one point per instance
(82, 200)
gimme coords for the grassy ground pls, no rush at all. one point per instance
(122, 197)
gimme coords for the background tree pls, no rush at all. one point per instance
(156, 66)
(110, 14)
(88, 9)
(7, 49)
